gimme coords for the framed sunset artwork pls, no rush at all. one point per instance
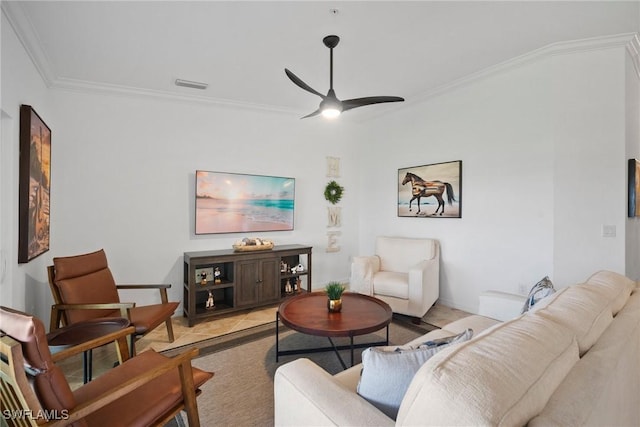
(236, 203)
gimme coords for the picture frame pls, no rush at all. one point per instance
(236, 203)
(34, 186)
(437, 183)
(634, 188)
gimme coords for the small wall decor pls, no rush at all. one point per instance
(333, 192)
(442, 181)
(334, 218)
(333, 167)
(35, 185)
(634, 188)
(332, 241)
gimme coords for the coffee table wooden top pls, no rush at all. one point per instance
(361, 314)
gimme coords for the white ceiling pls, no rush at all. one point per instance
(241, 48)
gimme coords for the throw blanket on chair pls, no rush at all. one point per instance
(361, 277)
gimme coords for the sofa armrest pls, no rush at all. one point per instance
(307, 395)
(501, 305)
(362, 270)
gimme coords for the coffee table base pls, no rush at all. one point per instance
(333, 347)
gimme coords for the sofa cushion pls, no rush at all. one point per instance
(603, 388)
(388, 371)
(504, 376)
(391, 284)
(618, 286)
(580, 308)
(400, 254)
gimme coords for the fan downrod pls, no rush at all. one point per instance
(331, 41)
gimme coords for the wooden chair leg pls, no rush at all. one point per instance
(188, 394)
(122, 348)
(170, 329)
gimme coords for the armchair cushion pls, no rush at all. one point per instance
(400, 254)
(31, 333)
(49, 383)
(85, 279)
(391, 284)
(146, 408)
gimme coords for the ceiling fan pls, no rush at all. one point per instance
(331, 106)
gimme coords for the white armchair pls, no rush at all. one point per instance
(404, 272)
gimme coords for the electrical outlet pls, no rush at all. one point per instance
(208, 271)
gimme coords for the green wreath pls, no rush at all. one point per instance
(333, 192)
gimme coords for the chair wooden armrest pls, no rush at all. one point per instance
(58, 309)
(23, 398)
(161, 287)
(182, 362)
(145, 286)
(117, 336)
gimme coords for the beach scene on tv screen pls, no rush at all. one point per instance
(230, 203)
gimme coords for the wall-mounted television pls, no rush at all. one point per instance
(236, 203)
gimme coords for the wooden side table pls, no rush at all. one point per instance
(360, 315)
(82, 337)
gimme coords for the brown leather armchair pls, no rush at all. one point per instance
(84, 289)
(148, 389)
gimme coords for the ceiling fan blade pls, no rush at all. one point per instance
(302, 85)
(348, 104)
(315, 113)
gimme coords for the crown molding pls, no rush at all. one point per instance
(554, 49)
(81, 86)
(633, 48)
(26, 33)
(23, 28)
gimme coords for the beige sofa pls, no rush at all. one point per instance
(573, 360)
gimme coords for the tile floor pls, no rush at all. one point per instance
(104, 357)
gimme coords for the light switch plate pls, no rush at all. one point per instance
(608, 231)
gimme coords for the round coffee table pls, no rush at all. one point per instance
(360, 315)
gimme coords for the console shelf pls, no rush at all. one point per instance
(247, 279)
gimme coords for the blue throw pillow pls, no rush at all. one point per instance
(540, 290)
(388, 371)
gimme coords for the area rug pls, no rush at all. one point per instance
(241, 392)
(222, 342)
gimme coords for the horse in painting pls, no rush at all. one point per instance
(421, 188)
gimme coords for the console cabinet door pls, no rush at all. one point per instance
(247, 284)
(257, 282)
(270, 280)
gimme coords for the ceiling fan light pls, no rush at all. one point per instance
(331, 112)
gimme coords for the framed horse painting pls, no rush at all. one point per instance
(431, 191)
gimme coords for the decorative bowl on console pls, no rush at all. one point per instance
(254, 244)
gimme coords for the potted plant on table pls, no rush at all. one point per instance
(334, 293)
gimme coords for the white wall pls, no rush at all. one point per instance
(531, 138)
(21, 84)
(542, 146)
(123, 180)
(632, 92)
(589, 176)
